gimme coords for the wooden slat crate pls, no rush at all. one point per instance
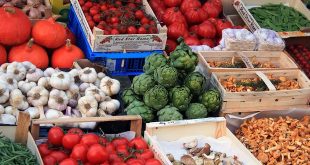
(264, 100)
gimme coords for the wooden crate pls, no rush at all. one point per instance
(135, 122)
(264, 100)
(278, 58)
(174, 130)
(123, 42)
(20, 134)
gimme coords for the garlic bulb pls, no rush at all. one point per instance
(109, 105)
(18, 100)
(88, 106)
(11, 110)
(70, 125)
(4, 67)
(100, 75)
(84, 86)
(38, 96)
(33, 112)
(28, 65)
(58, 100)
(17, 70)
(45, 82)
(25, 86)
(110, 86)
(1, 109)
(88, 125)
(53, 114)
(49, 71)
(75, 75)
(88, 75)
(9, 80)
(96, 92)
(34, 75)
(7, 119)
(61, 80)
(4, 93)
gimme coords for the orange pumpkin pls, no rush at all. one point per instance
(49, 33)
(3, 55)
(65, 56)
(29, 52)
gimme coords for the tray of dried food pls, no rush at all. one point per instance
(233, 61)
(262, 90)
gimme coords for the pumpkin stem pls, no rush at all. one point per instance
(68, 43)
(10, 10)
(30, 43)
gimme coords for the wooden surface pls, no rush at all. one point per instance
(21, 134)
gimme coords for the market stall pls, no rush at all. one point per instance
(154, 82)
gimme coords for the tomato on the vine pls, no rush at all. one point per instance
(115, 158)
(49, 160)
(93, 11)
(145, 154)
(139, 14)
(138, 143)
(97, 18)
(70, 140)
(114, 32)
(79, 152)
(141, 30)
(55, 136)
(59, 155)
(77, 130)
(119, 141)
(132, 30)
(144, 20)
(43, 149)
(104, 7)
(89, 139)
(153, 161)
(134, 161)
(110, 148)
(122, 150)
(68, 161)
(88, 4)
(114, 20)
(192, 40)
(97, 154)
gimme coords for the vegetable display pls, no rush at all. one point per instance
(14, 153)
(301, 55)
(170, 89)
(279, 17)
(119, 17)
(76, 93)
(77, 147)
(276, 140)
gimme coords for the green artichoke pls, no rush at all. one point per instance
(196, 82)
(183, 58)
(180, 97)
(139, 108)
(154, 61)
(166, 76)
(156, 97)
(211, 100)
(128, 96)
(196, 110)
(142, 83)
(169, 113)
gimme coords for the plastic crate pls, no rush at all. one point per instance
(118, 64)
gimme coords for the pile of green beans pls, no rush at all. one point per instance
(15, 154)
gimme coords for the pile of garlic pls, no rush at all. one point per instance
(77, 93)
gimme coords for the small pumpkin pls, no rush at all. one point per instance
(15, 26)
(49, 33)
(71, 36)
(29, 52)
(64, 56)
(3, 55)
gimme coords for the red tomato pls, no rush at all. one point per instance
(187, 4)
(153, 162)
(177, 30)
(110, 148)
(122, 149)
(170, 45)
(97, 18)
(59, 155)
(144, 20)
(88, 4)
(119, 163)
(55, 136)
(119, 141)
(79, 152)
(118, 3)
(114, 20)
(221, 25)
(212, 11)
(145, 155)
(43, 149)
(76, 130)
(70, 140)
(131, 30)
(81, 2)
(49, 160)
(152, 23)
(104, 7)
(195, 15)
(131, 6)
(91, 24)
(194, 29)
(141, 30)
(138, 143)
(172, 3)
(153, 30)
(134, 161)
(97, 154)
(208, 42)
(191, 41)
(139, 14)
(69, 161)
(102, 140)
(173, 15)
(114, 32)
(115, 158)
(93, 11)
(89, 139)
(207, 30)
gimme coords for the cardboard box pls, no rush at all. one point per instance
(209, 127)
(123, 42)
(242, 7)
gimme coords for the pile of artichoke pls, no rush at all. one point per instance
(169, 89)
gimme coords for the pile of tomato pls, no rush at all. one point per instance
(301, 55)
(78, 148)
(119, 17)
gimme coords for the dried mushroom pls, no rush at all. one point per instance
(231, 84)
(191, 144)
(188, 160)
(233, 63)
(284, 83)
